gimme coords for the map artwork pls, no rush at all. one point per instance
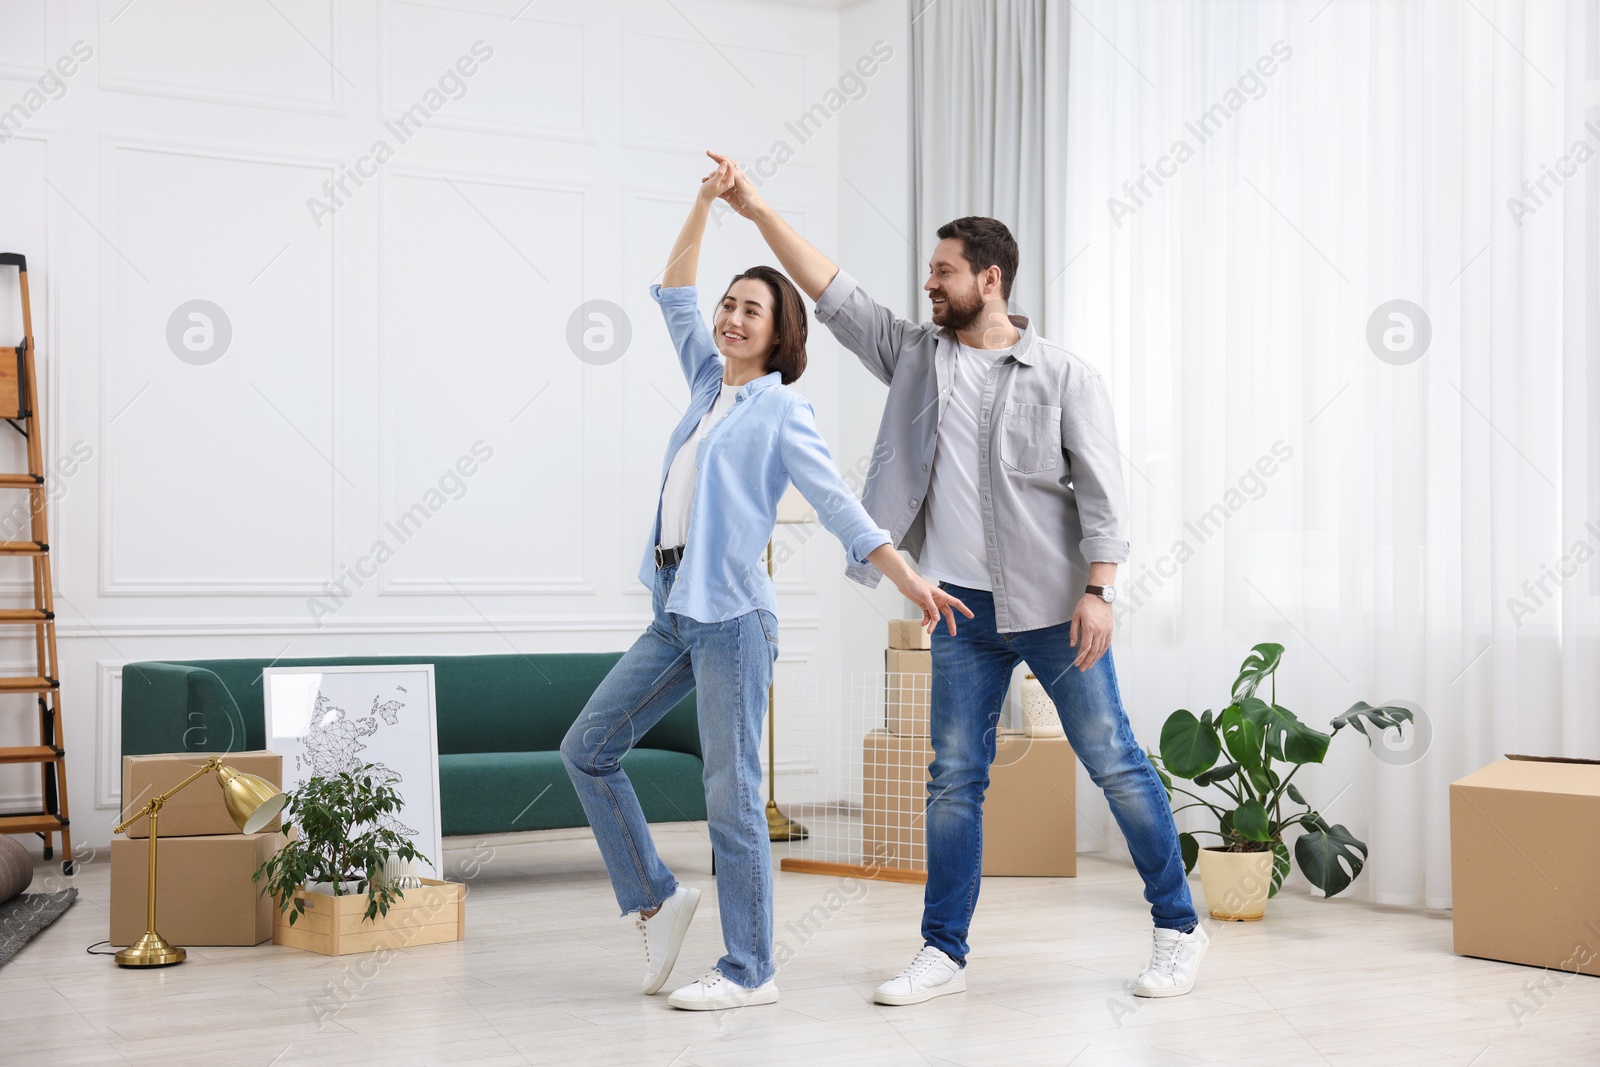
(334, 739)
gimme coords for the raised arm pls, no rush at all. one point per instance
(874, 333)
(805, 266)
(685, 259)
(697, 352)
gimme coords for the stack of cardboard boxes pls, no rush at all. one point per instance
(895, 757)
(204, 891)
(1030, 814)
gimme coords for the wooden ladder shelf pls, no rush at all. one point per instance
(19, 406)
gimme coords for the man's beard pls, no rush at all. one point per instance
(958, 316)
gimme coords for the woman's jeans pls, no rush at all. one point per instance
(971, 673)
(728, 665)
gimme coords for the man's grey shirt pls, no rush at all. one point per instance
(1050, 487)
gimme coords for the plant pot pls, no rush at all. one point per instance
(346, 888)
(1236, 884)
(1039, 718)
(399, 874)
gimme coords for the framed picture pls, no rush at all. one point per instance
(324, 720)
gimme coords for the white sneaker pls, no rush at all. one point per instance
(716, 992)
(663, 935)
(1174, 962)
(931, 974)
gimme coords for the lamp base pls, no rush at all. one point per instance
(782, 828)
(151, 950)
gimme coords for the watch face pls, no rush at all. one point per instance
(1108, 593)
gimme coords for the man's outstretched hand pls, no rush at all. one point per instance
(719, 182)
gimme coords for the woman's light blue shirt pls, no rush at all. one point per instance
(766, 440)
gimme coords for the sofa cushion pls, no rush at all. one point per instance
(499, 792)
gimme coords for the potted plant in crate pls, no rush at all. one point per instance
(340, 837)
(1250, 753)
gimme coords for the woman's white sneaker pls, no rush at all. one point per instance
(931, 974)
(663, 935)
(1174, 963)
(715, 991)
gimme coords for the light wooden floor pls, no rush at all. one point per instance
(549, 975)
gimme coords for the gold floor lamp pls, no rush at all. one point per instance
(792, 511)
(252, 802)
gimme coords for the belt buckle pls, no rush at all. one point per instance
(659, 564)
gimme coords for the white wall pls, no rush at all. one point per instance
(428, 312)
(876, 246)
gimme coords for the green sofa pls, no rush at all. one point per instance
(500, 724)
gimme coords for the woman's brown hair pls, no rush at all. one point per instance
(789, 325)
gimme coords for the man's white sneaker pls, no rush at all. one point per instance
(663, 935)
(717, 992)
(1174, 962)
(931, 974)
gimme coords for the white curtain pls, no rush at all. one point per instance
(1411, 529)
(989, 123)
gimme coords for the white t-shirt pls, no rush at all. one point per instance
(677, 494)
(954, 550)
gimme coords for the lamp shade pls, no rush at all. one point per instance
(251, 800)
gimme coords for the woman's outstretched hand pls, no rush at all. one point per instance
(742, 195)
(935, 604)
(720, 181)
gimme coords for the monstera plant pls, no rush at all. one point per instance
(1248, 754)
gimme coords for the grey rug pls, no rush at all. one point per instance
(23, 917)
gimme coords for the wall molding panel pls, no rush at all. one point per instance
(261, 407)
(158, 22)
(383, 313)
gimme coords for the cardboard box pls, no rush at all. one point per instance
(204, 895)
(908, 634)
(1029, 811)
(337, 926)
(894, 780)
(908, 681)
(198, 810)
(1030, 815)
(1524, 863)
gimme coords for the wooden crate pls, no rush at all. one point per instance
(334, 926)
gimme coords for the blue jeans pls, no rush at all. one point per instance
(971, 673)
(729, 665)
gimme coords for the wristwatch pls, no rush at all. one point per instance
(1108, 593)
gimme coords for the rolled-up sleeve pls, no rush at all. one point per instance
(1089, 437)
(810, 466)
(697, 353)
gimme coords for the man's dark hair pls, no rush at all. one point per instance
(985, 243)
(789, 324)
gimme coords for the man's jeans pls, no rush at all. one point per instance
(971, 673)
(729, 665)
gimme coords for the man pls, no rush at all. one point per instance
(1003, 481)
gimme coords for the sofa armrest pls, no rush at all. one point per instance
(173, 707)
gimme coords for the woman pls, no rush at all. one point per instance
(744, 437)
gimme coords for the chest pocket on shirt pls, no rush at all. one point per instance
(1030, 437)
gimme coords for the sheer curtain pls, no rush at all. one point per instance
(1403, 494)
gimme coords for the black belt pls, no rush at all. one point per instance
(666, 557)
